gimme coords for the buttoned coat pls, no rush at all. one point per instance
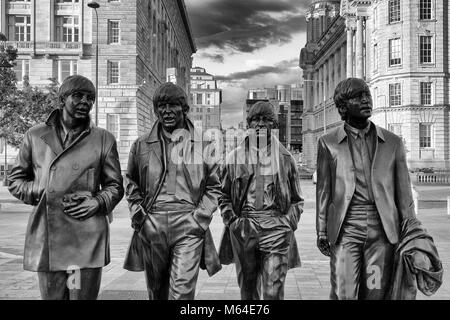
(145, 176)
(43, 173)
(336, 182)
(237, 176)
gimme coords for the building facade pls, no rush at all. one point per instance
(400, 47)
(139, 41)
(206, 99)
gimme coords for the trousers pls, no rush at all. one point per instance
(82, 284)
(173, 243)
(260, 242)
(362, 259)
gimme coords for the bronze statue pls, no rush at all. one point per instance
(363, 198)
(261, 206)
(172, 194)
(69, 170)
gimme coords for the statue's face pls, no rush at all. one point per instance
(263, 123)
(359, 106)
(171, 115)
(79, 104)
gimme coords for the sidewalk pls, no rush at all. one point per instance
(311, 281)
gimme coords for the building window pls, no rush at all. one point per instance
(22, 69)
(425, 10)
(395, 94)
(425, 135)
(113, 125)
(67, 29)
(113, 72)
(19, 28)
(394, 11)
(65, 1)
(113, 31)
(395, 128)
(375, 57)
(67, 68)
(199, 98)
(425, 47)
(395, 52)
(425, 93)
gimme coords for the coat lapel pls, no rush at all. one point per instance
(51, 139)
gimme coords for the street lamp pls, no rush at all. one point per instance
(324, 103)
(94, 5)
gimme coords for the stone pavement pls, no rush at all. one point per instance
(311, 281)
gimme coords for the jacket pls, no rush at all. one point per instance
(336, 182)
(145, 175)
(44, 173)
(235, 182)
(416, 263)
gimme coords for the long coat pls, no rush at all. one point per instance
(336, 182)
(237, 175)
(44, 173)
(145, 175)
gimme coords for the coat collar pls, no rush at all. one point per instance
(50, 137)
(342, 134)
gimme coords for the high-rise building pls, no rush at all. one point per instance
(400, 47)
(139, 41)
(206, 99)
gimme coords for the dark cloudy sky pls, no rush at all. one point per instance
(248, 44)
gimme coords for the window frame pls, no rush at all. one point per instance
(391, 52)
(117, 115)
(109, 70)
(430, 49)
(424, 145)
(111, 36)
(393, 4)
(430, 93)
(397, 96)
(430, 7)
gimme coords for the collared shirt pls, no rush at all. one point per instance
(362, 148)
(175, 194)
(66, 135)
(261, 190)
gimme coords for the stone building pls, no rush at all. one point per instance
(400, 47)
(206, 99)
(139, 40)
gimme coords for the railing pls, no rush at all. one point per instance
(50, 47)
(433, 178)
(19, 5)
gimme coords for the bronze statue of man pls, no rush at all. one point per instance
(69, 170)
(260, 206)
(172, 194)
(363, 194)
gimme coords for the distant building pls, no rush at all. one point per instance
(206, 99)
(141, 45)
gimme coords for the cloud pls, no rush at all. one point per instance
(216, 57)
(279, 68)
(245, 26)
(236, 85)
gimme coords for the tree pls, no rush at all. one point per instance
(8, 88)
(21, 109)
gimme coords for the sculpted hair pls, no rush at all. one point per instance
(346, 90)
(263, 108)
(73, 84)
(170, 93)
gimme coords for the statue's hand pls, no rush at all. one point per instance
(323, 245)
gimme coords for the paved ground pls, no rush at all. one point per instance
(311, 281)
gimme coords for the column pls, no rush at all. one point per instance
(349, 52)
(337, 61)
(343, 63)
(52, 24)
(3, 22)
(360, 47)
(81, 22)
